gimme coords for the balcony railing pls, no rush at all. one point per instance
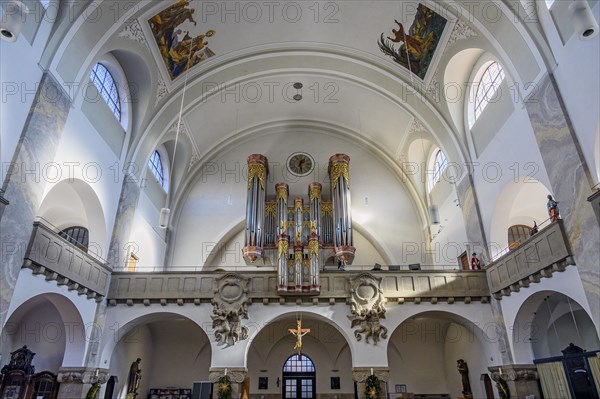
(198, 287)
(539, 256)
(56, 258)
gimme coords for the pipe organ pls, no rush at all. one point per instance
(298, 238)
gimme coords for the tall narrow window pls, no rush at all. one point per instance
(488, 86)
(156, 166)
(77, 235)
(107, 88)
(439, 165)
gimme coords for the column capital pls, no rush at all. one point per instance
(360, 374)
(514, 372)
(82, 375)
(236, 374)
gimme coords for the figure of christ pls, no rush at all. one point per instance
(299, 332)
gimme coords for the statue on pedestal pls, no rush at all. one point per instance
(463, 369)
(133, 380)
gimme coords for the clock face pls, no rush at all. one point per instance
(300, 164)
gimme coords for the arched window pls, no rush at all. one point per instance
(438, 166)
(298, 364)
(156, 166)
(107, 88)
(299, 378)
(517, 234)
(488, 85)
(77, 235)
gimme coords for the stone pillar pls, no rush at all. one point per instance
(24, 186)
(128, 202)
(75, 382)
(521, 379)
(571, 183)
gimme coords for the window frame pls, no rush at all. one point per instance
(67, 234)
(519, 237)
(107, 93)
(486, 87)
(164, 161)
(436, 168)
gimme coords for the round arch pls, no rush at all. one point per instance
(522, 202)
(326, 352)
(443, 338)
(547, 322)
(73, 202)
(157, 339)
(333, 317)
(51, 326)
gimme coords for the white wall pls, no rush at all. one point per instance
(423, 351)
(205, 216)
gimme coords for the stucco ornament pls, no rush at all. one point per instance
(230, 306)
(368, 308)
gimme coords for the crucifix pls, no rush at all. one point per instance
(299, 332)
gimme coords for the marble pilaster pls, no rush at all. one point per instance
(24, 184)
(571, 183)
(3, 203)
(128, 202)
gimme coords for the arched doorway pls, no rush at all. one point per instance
(299, 378)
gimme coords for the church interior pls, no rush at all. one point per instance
(238, 199)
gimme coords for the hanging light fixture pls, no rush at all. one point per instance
(163, 219)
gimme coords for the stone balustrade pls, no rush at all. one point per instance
(544, 253)
(61, 261)
(198, 287)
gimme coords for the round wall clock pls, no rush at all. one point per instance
(300, 164)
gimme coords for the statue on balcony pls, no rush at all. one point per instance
(475, 262)
(534, 229)
(553, 212)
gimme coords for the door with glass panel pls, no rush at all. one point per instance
(299, 378)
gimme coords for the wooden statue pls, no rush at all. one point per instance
(133, 380)
(463, 369)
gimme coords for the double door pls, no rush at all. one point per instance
(299, 387)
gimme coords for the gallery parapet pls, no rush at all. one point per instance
(541, 255)
(51, 255)
(198, 287)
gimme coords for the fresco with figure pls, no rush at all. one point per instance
(176, 32)
(414, 48)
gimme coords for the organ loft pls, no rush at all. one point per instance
(298, 237)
